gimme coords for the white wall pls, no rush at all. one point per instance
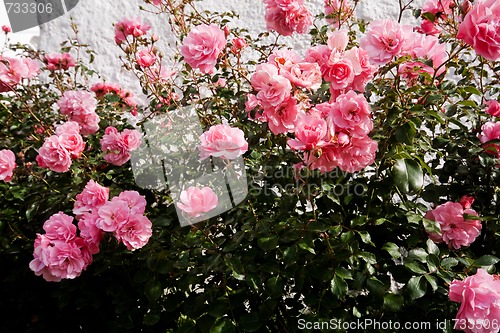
(95, 19)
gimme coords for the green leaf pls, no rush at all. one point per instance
(376, 287)
(343, 273)
(151, 318)
(393, 250)
(250, 322)
(431, 226)
(486, 260)
(275, 287)
(153, 290)
(407, 175)
(432, 247)
(223, 325)
(432, 281)
(268, 243)
(338, 286)
(415, 267)
(449, 263)
(416, 287)
(393, 302)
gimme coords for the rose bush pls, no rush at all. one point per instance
(371, 157)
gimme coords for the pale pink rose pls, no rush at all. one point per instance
(130, 27)
(339, 71)
(135, 202)
(493, 108)
(74, 102)
(53, 155)
(479, 296)
(466, 201)
(12, 71)
(338, 40)
(357, 154)
(70, 138)
(481, 29)
(89, 231)
(363, 70)
(33, 67)
(57, 259)
(238, 44)
(59, 61)
(117, 146)
(439, 8)
(112, 215)
(145, 58)
(91, 198)
(309, 133)
(89, 123)
(197, 201)
(202, 47)
(273, 89)
(319, 54)
(337, 11)
(283, 57)
(7, 164)
(281, 119)
(428, 47)
(60, 227)
(288, 18)
(135, 233)
(383, 41)
(160, 74)
(326, 161)
(490, 131)
(305, 74)
(131, 139)
(455, 230)
(223, 141)
(351, 114)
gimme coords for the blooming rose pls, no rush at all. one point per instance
(130, 27)
(135, 233)
(305, 74)
(287, 17)
(91, 198)
(479, 296)
(112, 214)
(455, 230)
(58, 61)
(117, 146)
(490, 131)
(281, 119)
(197, 201)
(481, 29)
(339, 71)
(309, 133)
(145, 58)
(202, 46)
(493, 108)
(357, 154)
(7, 164)
(60, 227)
(223, 141)
(53, 155)
(383, 41)
(70, 138)
(338, 40)
(135, 202)
(89, 231)
(351, 114)
(13, 70)
(273, 89)
(439, 8)
(80, 106)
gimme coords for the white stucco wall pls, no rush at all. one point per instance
(95, 19)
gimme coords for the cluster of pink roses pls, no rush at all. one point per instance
(196, 201)
(130, 27)
(222, 141)
(7, 164)
(62, 254)
(456, 231)
(80, 106)
(332, 134)
(491, 130)
(440, 10)
(287, 16)
(58, 150)
(202, 47)
(479, 298)
(127, 97)
(59, 61)
(14, 69)
(117, 146)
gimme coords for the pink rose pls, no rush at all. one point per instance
(223, 141)
(428, 47)
(238, 44)
(202, 47)
(80, 106)
(357, 154)
(455, 230)
(59, 61)
(339, 71)
(53, 155)
(337, 11)
(283, 57)
(91, 198)
(493, 108)
(135, 233)
(60, 227)
(309, 133)
(146, 58)
(70, 138)
(117, 146)
(13, 70)
(363, 70)
(479, 296)
(481, 29)
(429, 28)
(439, 8)
(466, 201)
(6, 28)
(305, 74)
(90, 232)
(490, 131)
(112, 215)
(7, 164)
(351, 114)
(383, 41)
(130, 27)
(135, 202)
(338, 40)
(287, 18)
(131, 139)
(281, 119)
(273, 89)
(197, 201)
